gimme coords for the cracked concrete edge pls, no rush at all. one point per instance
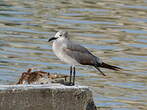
(46, 97)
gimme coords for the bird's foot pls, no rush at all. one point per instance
(69, 84)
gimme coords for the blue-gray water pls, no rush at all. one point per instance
(114, 30)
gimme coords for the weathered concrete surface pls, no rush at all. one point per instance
(45, 97)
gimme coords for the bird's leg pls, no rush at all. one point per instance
(74, 74)
(70, 77)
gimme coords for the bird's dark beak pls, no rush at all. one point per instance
(53, 38)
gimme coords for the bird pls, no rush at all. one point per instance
(74, 54)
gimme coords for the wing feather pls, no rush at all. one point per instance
(79, 53)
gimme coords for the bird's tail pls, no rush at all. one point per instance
(105, 65)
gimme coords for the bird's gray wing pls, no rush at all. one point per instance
(79, 53)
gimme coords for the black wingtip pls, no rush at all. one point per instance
(100, 71)
(104, 65)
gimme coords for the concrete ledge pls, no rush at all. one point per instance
(45, 97)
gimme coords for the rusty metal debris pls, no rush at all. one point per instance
(31, 77)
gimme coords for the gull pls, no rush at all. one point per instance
(75, 54)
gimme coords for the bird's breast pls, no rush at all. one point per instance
(58, 48)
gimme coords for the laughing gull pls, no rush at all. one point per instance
(75, 54)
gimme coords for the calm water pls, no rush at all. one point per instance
(114, 30)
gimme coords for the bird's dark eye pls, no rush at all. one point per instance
(60, 35)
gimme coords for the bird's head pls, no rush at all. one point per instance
(59, 35)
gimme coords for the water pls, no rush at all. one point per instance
(114, 30)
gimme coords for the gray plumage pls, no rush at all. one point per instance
(75, 54)
(80, 54)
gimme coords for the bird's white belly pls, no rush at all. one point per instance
(63, 56)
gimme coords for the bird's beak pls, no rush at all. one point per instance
(53, 38)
